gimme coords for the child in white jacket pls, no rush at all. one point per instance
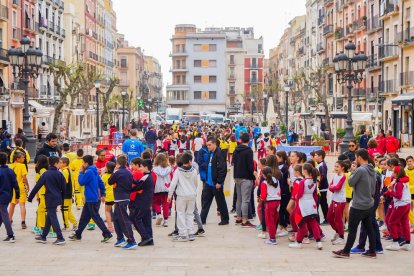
(184, 184)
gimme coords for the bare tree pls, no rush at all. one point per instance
(113, 82)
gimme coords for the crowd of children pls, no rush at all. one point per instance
(291, 190)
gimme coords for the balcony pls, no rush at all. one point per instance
(29, 25)
(321, 20)
(252, 80)
(47, 60)
(390, 86)
(312, 101)
(339, 33)
(408, 37)
(94, 56)
(388, 52)
(52, 26)
(339, 102)
(232, 77)
(16, 2)
(16, 33)
(326, 2)
(359, 93)
(4, 58)
(178, 54)
(373, 93)
(328, 29)
(320, 47)
(176, 95)
(4, 13)
(372, 62)
(300, 51)
(327, 62)
(389, 8)
(373, 24)
(407, 78)
(361, 22)
(254, 66)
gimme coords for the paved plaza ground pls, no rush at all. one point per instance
(226, 250)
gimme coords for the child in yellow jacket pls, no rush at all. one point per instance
(67, 213)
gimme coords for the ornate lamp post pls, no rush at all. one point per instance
(26, 62)
(349, 68)
(97, 86)
(287, 90)
(124, 97)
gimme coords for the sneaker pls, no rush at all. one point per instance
(10, 239)
(296, 245)
(357, 250)
(24, 226)
(338, 241)
(73, 237)
(323, 238)
(158, 221)
(39, 239)
(248, 224)
(91, 227)
(147, 242)
(380, 223)
(406, 247)
(282, 233)
(74, 228)
(368, 254)
(306, 241)
(154, 215)
(292, 238)
(383, 227)
(340, 254)
(324, 222)
(379, 251)
(120, 243)
(402, 242)
(130, 245)
(180, 239)
(262, 235)
(107, 238)
(173, 234)
(395, 246)
(165, 223)
(270, 241)
(335, 237)
(200, 233)
(59, 242)
(237, 222)
(233, 211)
(52, 235)
(259, 227)
(319, 245)
(221, 223)
(36, 230)
(191, 237)
(310, 237)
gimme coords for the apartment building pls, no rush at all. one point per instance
(199, 69)
(4, 62)
(152, 68)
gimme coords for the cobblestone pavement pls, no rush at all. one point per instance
(226, 250)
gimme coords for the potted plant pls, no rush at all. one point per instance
(364, 18)
(320, 141)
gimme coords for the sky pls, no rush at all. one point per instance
(150, 24)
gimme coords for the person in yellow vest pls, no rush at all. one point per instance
(42, 165)
(19, 148)
(20, 170)
(224, 146)
(75, 167)
(409, 170)
(67, 199)
(67, 153)
(232, 147)
(109, 195)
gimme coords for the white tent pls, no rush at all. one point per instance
(270, 114)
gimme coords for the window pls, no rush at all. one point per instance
(212, 47)
(212, 63)
(197, 63)
(124, 62)
(259, 48)
(212, 95)
(231, 59)
(197, 79)
(197, 95)
(197, 47)
(212, 79)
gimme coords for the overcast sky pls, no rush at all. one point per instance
(150, 24)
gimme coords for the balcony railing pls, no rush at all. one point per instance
(409, 35)
(52, 26)
(300, 51)
(16, 2)
(4, 12)
(373, 23)
(47, 60)
(4, 55)
(339, 33)
(252, 80)
(339, 102)
(33, 93)
(372, 92)
(29, 24)
(407, 78)
(388, 6)
(327, 29)
(372, 61)
(327, 61)
(321, 20)
(320, 47)
(253, 66)
(390, 86)
(388, 51)
(359, 92)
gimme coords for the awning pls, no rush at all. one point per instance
(404, 99)
(356, 116)
(41, 110)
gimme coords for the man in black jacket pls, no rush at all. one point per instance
(55, 182)
(243, 177)
(216, 174)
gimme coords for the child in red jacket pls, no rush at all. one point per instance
(398, 221)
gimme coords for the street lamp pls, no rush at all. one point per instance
(157, 104)
(349, 69)
(287, 90)
(26, 62)
(265, 104)
(97, 86)
(237, 105)
(124, 96)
